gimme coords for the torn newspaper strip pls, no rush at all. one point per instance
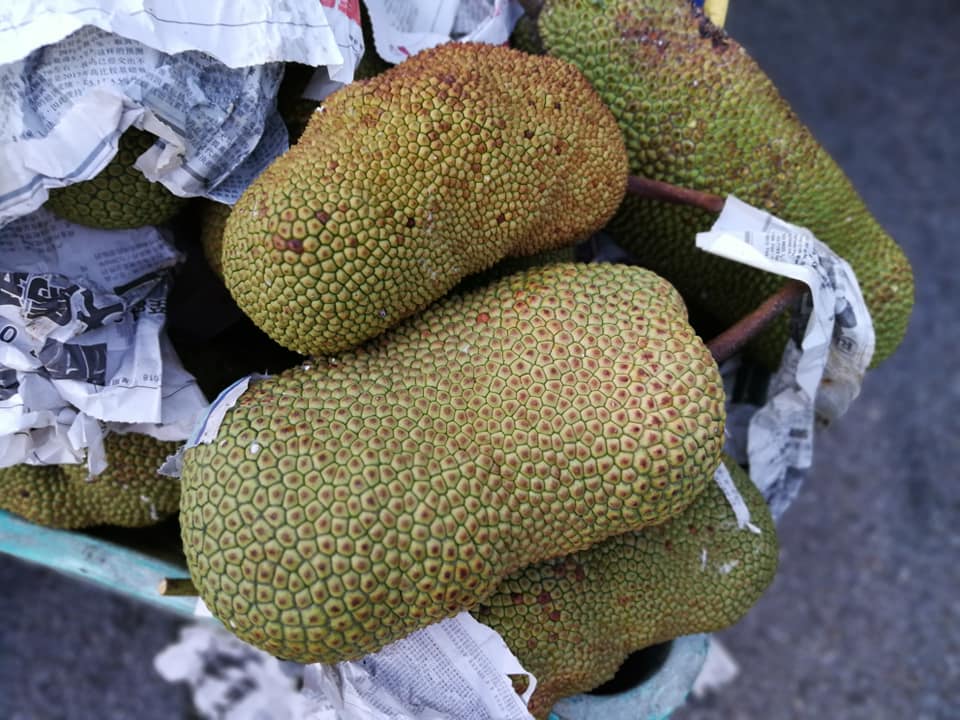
(836, 345)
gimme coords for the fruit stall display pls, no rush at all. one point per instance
(427, 396)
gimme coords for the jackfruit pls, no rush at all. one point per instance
(697, 111)
(296, 109)
(213, 218)
(511, 265)
(129, 493)
(572, 621)
(119, 196)
(406, 182)
(348, 502)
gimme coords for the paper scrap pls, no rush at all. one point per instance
(402, 29)
(81, 342)
(454, 669)
(837, 343)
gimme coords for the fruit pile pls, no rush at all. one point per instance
(536, 445)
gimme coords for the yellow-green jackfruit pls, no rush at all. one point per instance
(346, 503)
(697, 111)
(296, 109)
(129, 493)
(119, 197)
(572, 621)
(406, 182)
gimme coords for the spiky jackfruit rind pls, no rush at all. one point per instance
(406, 182)
(343, 505)
(119, 197)
(129, 493)
(697, 111)
(296, 109)
(572, 621)
(213, 218)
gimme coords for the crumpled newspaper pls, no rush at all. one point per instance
(82, 348)
(456, 669)
(202, 77)
(821, 372)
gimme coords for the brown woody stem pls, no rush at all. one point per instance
(177, 587)
(657, 190)
(724, 345)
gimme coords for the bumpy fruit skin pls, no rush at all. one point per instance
(514, 264)
(119, 197)
(572, 621)
(697, 111)
(296, 109)
(213, 218)
(343, 505)
(406, 182)
(129, 493)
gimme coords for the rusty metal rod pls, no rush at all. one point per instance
(724, 345)
(657, 190)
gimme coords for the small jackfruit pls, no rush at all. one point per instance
(406, 182)
(344, 504)
(129, 493)
(572, 621)
(697, 111)
(119, 196)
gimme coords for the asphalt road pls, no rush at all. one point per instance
(863, 620)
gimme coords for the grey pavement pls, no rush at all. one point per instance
(863, 620)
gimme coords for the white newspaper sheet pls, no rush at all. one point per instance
(202, 77)
(81, 342)
(402, 28)
(836, 347)
(455, 669)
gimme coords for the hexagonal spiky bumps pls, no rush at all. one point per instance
(119, 197)
(406, 182)
(346, 503)
(697, 111)
(129, 493)
(572, 621)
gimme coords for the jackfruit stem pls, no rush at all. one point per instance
(724, 345)
(177, 587)
(657, 190)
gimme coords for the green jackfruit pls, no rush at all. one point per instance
(697, 111)
(213, 218)
(572, 621)
(129, 493)
(119, 197)
(346, 503)
(295, 109)
(511, 265)
(406, 182)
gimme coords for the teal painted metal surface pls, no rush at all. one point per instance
(655, 699)
(137, 574)
(108, 564)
